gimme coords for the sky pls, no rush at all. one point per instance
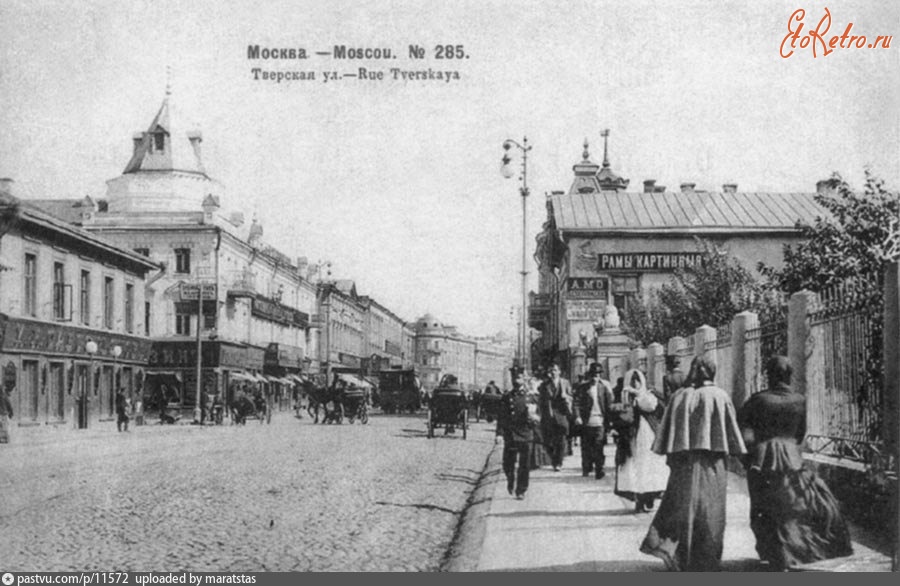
(397, 183)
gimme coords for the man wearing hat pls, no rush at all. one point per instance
(555, 396)
(516, 419)
(591, 402)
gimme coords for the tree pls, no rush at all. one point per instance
(854, 239)
(709, 293)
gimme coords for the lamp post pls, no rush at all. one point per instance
(508, 172)
(91, 348)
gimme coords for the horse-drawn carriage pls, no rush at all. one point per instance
(245, 406)
(448, 407)
(345, 398)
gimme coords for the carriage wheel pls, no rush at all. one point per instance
(465, 422)
(430, 424)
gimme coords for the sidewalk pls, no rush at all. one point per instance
(570, 523)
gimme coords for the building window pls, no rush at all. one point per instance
(147, 318)
(143, 251)
(31, 285)
(129, 308)
(59, 291)
(108, 305)
(84, 300)
(624, 293)
(182, 260)
(183, 324)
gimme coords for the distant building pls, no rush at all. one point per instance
(72, 326)
(602, 245)
(254, 320)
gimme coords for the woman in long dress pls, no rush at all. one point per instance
(698, 431)
(795, 518)
(640, 474)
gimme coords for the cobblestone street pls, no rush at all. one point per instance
(290, 496)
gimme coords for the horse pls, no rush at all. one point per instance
(320, 397)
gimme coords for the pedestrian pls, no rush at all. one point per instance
(139, 408)
(6, 413)
(591, 405)
(538, 458)
(555, 395)
(698, 431)
(793, 514)
(641, 474)
(516, 419)
(674, 377)
(123, 407)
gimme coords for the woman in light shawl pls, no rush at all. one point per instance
(640, 474)
(793, 514)
(698, 431)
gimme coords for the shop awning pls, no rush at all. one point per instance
(242, 376)
(355, 381)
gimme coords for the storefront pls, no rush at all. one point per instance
(282, 366)
(58, 374)
(172, 370)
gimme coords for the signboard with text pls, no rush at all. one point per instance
(587, 288)
(196, 291)
(648, 261)
(585, 309)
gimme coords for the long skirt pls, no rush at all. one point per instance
(795, 518)
(539, 456)
(640, 471)
(688, 530)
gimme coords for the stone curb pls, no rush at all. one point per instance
(464, 552)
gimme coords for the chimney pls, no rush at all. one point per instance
(688, 187)
(195, 137)
(729, 187)
(6, 185)
(826, 186)
(648, 185)
(659, 189)
(138, 139)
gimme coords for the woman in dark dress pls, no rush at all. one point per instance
(795, 518)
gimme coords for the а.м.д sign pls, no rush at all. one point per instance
(587, 288)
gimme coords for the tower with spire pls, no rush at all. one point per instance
(593, 178)
(165, 171)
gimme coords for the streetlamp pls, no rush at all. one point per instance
(116, 352)
(91, 348)
(508, 172)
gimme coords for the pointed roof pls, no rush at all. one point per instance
(180, 143)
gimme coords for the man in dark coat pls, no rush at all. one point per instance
(516, 419)
(123, 406)
(555, 397)
(675, 377)
(591, 405)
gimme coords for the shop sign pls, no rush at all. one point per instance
(585, 310)
(183, 354)
(587, 288)
(49, 338)
(196, 291)
(649, 261)
(284, 355)
(348, 360)
(274, 311)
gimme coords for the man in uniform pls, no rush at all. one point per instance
(555, 396)
(516, 419)
(591, 406)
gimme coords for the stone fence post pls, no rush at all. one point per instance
(656, 366)
(705, 343)
(744, 357)
(802, 348)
